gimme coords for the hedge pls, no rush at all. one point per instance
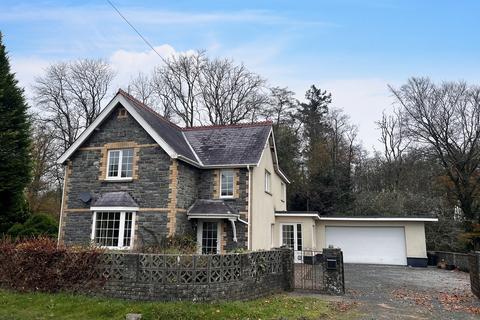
(38, 264)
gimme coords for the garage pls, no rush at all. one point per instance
(374, 245)
(388, 240)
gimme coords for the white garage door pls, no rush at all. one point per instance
(376, 245)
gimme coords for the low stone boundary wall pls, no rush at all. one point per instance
(474, 264)
(197, 277)
(459, 260)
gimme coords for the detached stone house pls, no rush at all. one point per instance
(133, 178)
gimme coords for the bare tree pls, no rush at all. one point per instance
(176, 84)
(44, 155)
(195, 88)
(142, 88)
(55, 102)
(281, 105)
(230, 93)
(395, 143)
(70, 96)
(88, 83)
(446, 118)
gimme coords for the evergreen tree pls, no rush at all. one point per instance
(15, 162)
(288, 152)
(317, 184)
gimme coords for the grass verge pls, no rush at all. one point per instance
(19, 306)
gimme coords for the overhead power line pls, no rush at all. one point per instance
(134, 29)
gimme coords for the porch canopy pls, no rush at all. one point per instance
(214, 209)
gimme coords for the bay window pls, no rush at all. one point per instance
(113, 229)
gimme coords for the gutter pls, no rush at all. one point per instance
(378, 219)
(311, 215)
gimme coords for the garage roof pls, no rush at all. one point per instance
(316, 215)
(378, 218)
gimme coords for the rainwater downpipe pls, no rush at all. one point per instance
(249, 211)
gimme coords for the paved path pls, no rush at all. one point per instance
(394, 292)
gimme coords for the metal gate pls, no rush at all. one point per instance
(309, 272)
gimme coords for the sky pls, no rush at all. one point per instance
(353, 49)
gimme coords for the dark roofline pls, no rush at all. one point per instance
(236, 125)
(213, 126)
(147, 108)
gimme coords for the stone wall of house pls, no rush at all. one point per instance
(77, 228)
(197, 277)
(164, 188)
(187, 193)
(209, 181)
(229, 244)
(149, 187)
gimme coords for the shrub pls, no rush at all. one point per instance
(36, 225)
(184, 244)
(37, 264)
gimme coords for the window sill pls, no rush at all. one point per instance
(227, 197)
(115, 248)
(119, 179)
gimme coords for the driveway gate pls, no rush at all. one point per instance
(309, 272)
(320, 271)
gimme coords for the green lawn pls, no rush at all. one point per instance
(66, 306)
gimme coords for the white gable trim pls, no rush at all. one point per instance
(275, 164)
(104, 114)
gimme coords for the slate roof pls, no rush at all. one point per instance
(170, 132)
(211, 207)
(238, 144)
(115, 199)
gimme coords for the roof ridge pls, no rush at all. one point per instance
(235, 125)
(147, 108)
(212, 126)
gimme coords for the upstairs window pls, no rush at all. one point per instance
(120, 164)
(268, 182)
(226, 184)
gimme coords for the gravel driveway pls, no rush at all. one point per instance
(395, 292)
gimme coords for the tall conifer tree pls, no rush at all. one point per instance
(15, 162)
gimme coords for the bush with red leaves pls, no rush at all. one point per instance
(38, 264)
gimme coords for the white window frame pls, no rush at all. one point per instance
(121, 229)
(233, 184)
(298, 258)
(200, 234)
(268, 182)
(283, 191)
(119, 169)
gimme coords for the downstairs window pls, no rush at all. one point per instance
(113, 229)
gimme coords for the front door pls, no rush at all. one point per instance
(208, 237)
(292, 238)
